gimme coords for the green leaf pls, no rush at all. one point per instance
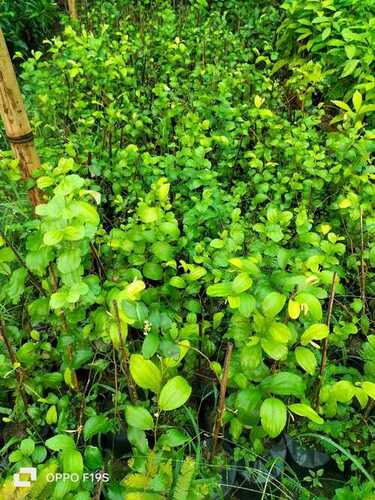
(145, 373)
(311, 303)
(350, 51)
(306, 359)
(369, 388)
(51, 415)
(272, 304)
(69, 260)
(172, 438)
(318, 331)
(16, 285)
(150, 345)
(148, 214)
(163, 251)
(139, 417)
(273, 416)
(27, 447)
(58, 300)
(95, 425)
(241, 283)
(152, 271)
(177, 282)
(60, 442)
(247, 305)
(93, 457)
(138, 439)
(72, 462)
(280, 332)
(343, 391)
(342, 105)
(69, 184)
(274, 349)
(84, 212)
(283, 384)
(306, 411)
(220, 290)
(357, 100)
(174, 394)
(349, 67)
(52, 238)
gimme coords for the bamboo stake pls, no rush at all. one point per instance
(16, 122)
(72, 7)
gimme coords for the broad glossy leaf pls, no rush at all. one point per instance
(369, 388)
(148, 214)
(306, 411)
(275, 350)
(95, 425)
(60, 442)
(174, 394)
(273, 303)
(306, 359)
(16, 285)
(241, 283)
(273, 416)
(220, 290)
(145, 373)
(284, 384)
(72, 462)
(294, 309)
(318, 331)
(247, 304)
(172, 438)
(139, 417)
(52, 238)
(314, 308)
(343, 391)
(69, 260)
(280, 332)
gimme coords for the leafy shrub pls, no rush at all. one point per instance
(190, 201)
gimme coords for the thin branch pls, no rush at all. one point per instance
(33, 279)
(125, 356)
(325, 341)
(13, 360)
(221, 408)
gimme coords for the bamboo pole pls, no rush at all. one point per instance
(72, 7)
(16, 122)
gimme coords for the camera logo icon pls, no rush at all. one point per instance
(30, 471)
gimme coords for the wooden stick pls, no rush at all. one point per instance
(72, 7)
(125, 356)
(325, 341)
(16, 122)
(221, 408)
(362, 280)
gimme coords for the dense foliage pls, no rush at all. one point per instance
(27, 23)
(208, 181)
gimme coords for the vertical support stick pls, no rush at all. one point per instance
(73, 10)
(221, 408)
(325, 342)
(16, 122)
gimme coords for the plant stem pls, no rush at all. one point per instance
(125, 356)
(325, 341)
(34, 280)
(221, 408)
(13, 360)
(363, 267)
